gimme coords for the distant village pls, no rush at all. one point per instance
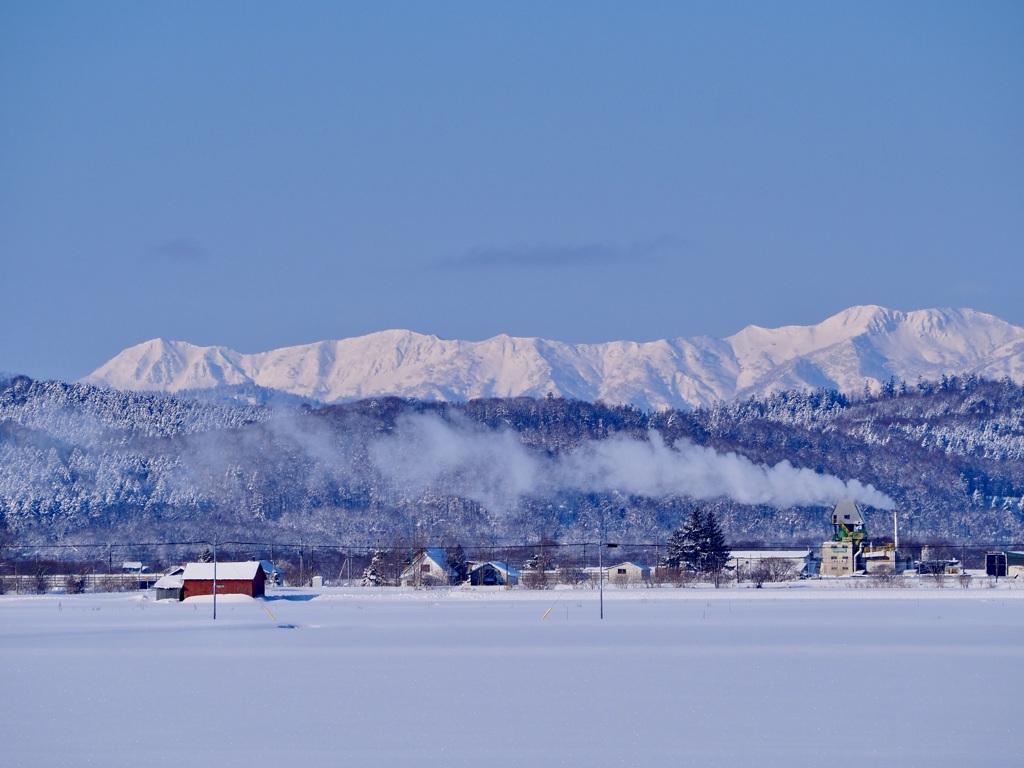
(847, 554)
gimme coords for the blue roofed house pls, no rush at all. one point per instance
(429, 567)
(272, 574)
(493, 573)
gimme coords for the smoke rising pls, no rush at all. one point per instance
(494, 469)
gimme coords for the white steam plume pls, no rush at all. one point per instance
(494, 468)
(651, 468)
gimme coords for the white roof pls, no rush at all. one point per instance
(764, 554)
(168, 582)
(876, 554)
(434, 554)
(225, 571)
(500, 566)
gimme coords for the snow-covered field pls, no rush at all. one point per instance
(805, 675)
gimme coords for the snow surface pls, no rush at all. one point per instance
(802, 674)
(861, 344)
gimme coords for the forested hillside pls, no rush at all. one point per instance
(80, 464)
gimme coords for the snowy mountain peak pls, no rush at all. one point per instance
(864, 345)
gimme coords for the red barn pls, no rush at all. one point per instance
(232, 579)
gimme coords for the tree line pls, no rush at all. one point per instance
(80, 465)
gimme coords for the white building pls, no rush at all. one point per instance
(803, 562)
(429, 568)
(627, 573)
(493, 573)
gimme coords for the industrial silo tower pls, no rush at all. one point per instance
(839, 556)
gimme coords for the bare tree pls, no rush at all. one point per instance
(536, 573)
(718, 577)
(772, 569)
(40, 576)
(886, 576)
(6, 543)
(570, 573)
(677, 577)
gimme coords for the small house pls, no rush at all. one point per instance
(232, 579)
(628, 573)
(429, 566)
(885, 559)
(493, 573)
(271, 573)
(939, 567)
(1004, 563)
(169, 587)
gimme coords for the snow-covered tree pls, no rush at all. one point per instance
(373, 575)
(698, 544)
(713, 550)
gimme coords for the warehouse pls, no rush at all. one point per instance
(231, 578)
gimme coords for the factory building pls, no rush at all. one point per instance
(848, 551)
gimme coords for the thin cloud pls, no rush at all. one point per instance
(554, 256)
(181, 249)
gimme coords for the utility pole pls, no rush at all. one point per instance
(600, 571)
(214, 578)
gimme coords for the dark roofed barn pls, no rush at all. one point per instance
(232, 579)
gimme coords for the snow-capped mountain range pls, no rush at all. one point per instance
(860, 346)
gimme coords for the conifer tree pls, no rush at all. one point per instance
(674, 551)
(373, 576)
(684, 544)
(458, 564)
(714, 550)
(698, 544)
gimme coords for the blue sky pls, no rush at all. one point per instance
(264, 174)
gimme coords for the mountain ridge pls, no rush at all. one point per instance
(860, 346)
